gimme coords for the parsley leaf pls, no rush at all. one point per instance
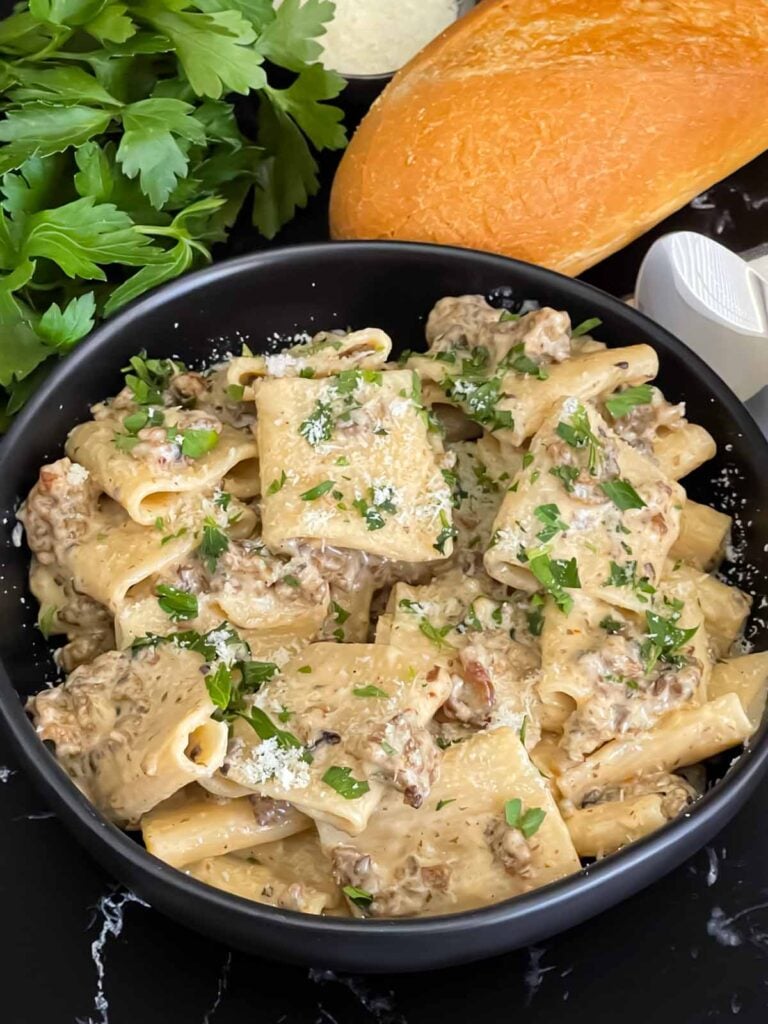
(664, 640)
(577, 433)
(370, 691)
(623, 402)
(342, 780)
(177, 604)
(448, 532)
(586, 326)
(215, 542)
(266, 729)
(317, 492)
(277, 485)
(198, 442)
(549, 515)
(567, 475)
(360, 897)
(555, 574)
(622, 494)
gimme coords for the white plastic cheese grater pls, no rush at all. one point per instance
(717, 303)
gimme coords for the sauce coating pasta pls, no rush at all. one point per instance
(353, 636)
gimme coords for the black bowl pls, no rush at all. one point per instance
(388, 285)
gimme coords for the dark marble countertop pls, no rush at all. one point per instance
(78, 949)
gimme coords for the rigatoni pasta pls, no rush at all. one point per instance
(346, 636)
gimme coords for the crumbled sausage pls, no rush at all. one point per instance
(59, 510)
(412, 765)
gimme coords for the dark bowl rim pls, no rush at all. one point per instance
(737, 782)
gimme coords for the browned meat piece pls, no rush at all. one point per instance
(509, 846)
(189, 389)
(457, 321)
(409, 893)
(267, 811)
(642, 424)
(59, 510)
(79, 716)
(676, 791)
(624, 699)
(412, 765)
(473, 697)
(546, 334)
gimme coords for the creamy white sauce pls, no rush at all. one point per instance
(375, 37)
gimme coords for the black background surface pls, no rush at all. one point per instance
(692, 948)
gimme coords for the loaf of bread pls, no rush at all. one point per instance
(557, 131)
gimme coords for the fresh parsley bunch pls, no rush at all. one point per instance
(120, 149)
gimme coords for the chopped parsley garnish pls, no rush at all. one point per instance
(506, 316)
(125, 442)
(342, 461)
(340, 615)
(388, 749)
(586, 326)
(214, 543)
(626, 576)
(485, 481)
(523, 729)
(536, 615)
(256, 673)
(370, 691)
(555, 574)
(436, 634)
(529, 822)
(342, 780)
(222, 499)
(478, 392)
(664, 639)
(577, 433)
(517, 360)
(623, 402)
(198, 442)
(150, 377)
(444, 803)
(221, 643)
(291, 581)
(448, 532)
(359, 897)
(177, 604)
(622, 494)
(567, 475)
(234, 392)
(278, 484)
(317, 492)
(318, 426)
(307, 372)
(549, 515)
(266, 729)
(527, 459)
(173, 536)
(458, 494)
(471, 620)
(610, 625)
(305, 669)
(380, 499)
(219, 684)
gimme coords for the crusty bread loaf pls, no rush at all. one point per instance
(557, 131)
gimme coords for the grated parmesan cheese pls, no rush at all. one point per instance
(371, 37)
(77, 474)
(16, 534)
(270, 761)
